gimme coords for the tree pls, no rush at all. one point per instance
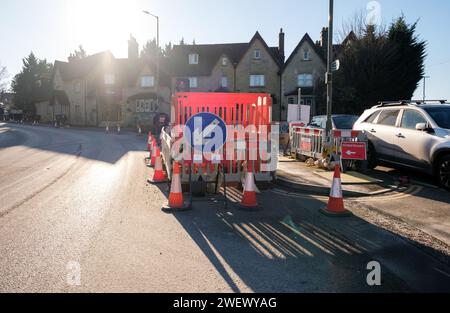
(150, 49)
(78, 54)
(378, 65)
(32, 83)
(3, 77)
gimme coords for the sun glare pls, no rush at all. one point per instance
(102, 24)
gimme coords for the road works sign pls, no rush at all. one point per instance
(205, 132)
(354, 150)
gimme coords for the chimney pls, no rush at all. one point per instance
(281, 46)
(324, 38)
(133, 48)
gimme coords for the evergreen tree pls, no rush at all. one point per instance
(32, 83)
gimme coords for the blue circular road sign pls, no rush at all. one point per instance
(206, 132)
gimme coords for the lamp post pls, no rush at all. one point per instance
(157, 55)
(329, 78)
(424, 87)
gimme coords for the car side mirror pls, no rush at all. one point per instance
(421, 127)
(424, 127)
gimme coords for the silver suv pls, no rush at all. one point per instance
(415, 134)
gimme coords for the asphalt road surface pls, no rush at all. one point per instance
(77, 215)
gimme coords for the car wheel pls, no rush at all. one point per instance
(372, 159)
(443, 172)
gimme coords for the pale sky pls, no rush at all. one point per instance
(54, 28)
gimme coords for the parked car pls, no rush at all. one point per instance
(412, 134)
(340, 122)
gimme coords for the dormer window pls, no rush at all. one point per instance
(193, 58)
(109, 79)
(257, 54)
(306, 55)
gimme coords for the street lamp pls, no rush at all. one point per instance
(424, 86)
(157, 54)
(329, 78)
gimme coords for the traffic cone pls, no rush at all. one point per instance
(249, 197)
(335, 207)
(176, 200)
(159, 175)
(149, 142)
(153, 158)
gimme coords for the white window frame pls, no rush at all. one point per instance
(304, 79)
(147, 81)
(224, 61)
(193, 58)
(109, 79)
(193, 82)
(306, 55)
(224, 82)
(257, 80)
(257, 54)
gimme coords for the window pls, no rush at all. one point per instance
(306, 55)
(388, 117)
(146, 106)
(224, 61)
(224, 82)
(77, 87)
(257, 54)
(411, 118)
(193, 82)
(147, 81)
(109, 79)
(257, 81)
(193, 58)
(371, 119)
(291, 100)
(305, 80)
(440, 115)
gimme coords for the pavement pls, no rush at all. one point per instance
(79, 197)
(421, 204)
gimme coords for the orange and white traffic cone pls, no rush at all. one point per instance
(335, 207)
(153, 154)
(159, 175)
(149, 142)
(176, 200)
(249, 197)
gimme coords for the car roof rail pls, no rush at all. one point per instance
(409, 102)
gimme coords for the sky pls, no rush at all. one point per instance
(52, 29)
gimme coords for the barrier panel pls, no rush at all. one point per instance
(308, 142)
(240, 112)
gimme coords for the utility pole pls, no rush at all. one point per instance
(157, 56)
(424, 87)
(329, 75)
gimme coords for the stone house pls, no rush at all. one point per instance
(235, 67)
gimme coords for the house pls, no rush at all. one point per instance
(305, 69)
(234, 67)
(101, 89)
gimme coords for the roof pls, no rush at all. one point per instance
(306, 39)
(210, 54)
(126, 70)
(82, 67)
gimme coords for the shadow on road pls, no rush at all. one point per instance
(288, 246)
(90, 144)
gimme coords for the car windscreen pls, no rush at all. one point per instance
(441, 115)
(345, 121)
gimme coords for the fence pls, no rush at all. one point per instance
(240, 110)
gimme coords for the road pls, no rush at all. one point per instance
(77, 197)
